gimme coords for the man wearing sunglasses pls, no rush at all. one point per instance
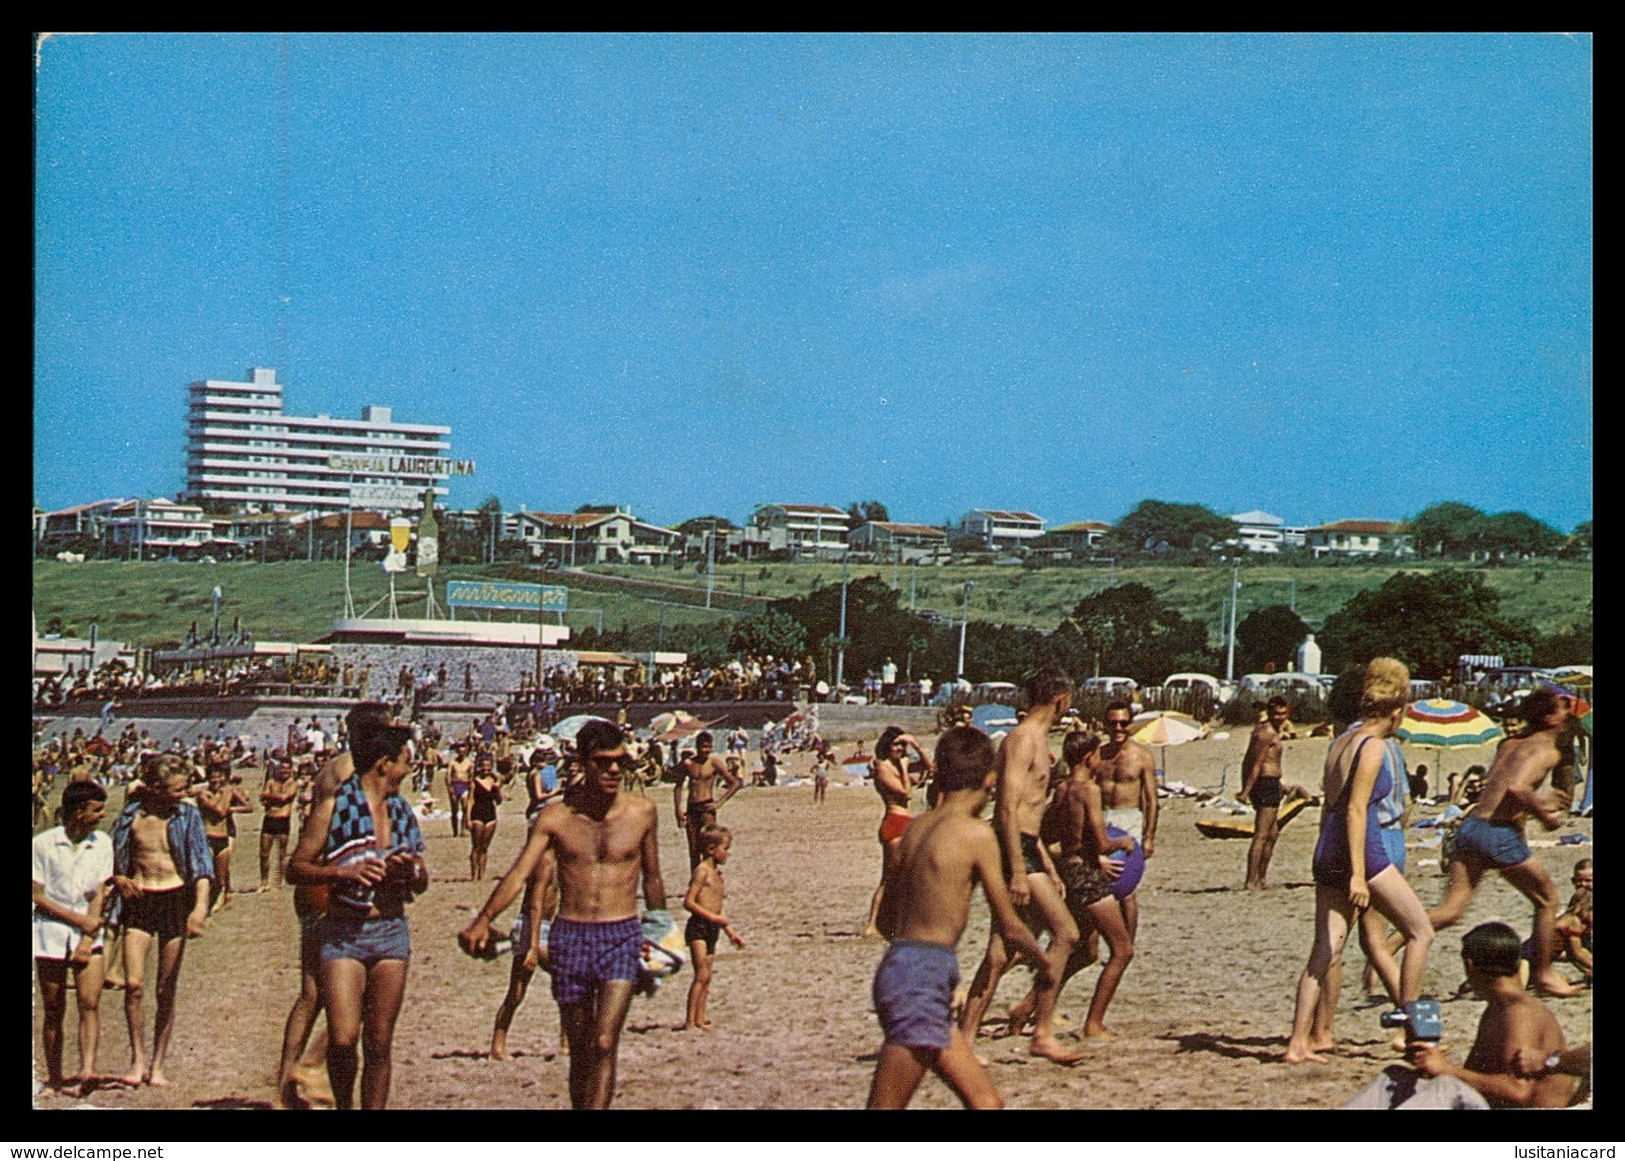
(1127, 773)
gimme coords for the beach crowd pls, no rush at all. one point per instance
(1070, 839)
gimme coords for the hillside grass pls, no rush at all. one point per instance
(154, 602)
(1552, 595)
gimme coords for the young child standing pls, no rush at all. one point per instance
(706, 921)
(940, 859)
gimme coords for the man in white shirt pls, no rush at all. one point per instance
(73, 864)
(888, 680)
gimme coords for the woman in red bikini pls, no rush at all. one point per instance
(894, 783)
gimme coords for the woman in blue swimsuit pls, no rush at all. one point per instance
(1351, 868)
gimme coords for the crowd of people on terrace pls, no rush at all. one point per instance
(117, 680)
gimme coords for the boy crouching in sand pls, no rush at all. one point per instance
(706, 920)
(942, 856)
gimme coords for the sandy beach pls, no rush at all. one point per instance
(1202, 1016)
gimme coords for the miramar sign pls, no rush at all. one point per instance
(400, 465)
(507, 595)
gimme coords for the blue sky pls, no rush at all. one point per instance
(1326, 276)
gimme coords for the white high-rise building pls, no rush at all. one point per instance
(244, 451)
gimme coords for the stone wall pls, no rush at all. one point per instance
(850, 723)
(496, 669)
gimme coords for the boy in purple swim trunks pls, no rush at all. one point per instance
(604, 842)
(944, 854)
(1491, 836)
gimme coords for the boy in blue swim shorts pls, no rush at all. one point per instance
(944, 854)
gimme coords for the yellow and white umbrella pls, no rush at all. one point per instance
(1168, 729)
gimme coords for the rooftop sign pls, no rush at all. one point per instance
(507, 595)
(400, 465)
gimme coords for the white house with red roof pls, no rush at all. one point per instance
(1361, 538)
(596, 535)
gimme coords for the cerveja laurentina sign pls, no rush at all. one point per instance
(400, 465)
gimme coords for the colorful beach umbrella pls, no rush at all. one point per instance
(1445, 724)
(1576, 694)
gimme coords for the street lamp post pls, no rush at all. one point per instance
(840, 655)
(710, 562)
(963, 624)
(1230, 648)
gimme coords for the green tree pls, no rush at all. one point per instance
(1445, 529)
(1515, 534)
(1269, 638)
(1426, 620)
(769, 633)
(1578, 544)
(1133, 635)
(1155, 525)
(875, 624)
(868, 510)
(1571, 645)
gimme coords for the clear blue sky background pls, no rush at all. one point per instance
(1326, 276)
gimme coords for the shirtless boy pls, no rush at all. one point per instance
(277, 795)
(459, 780)
(945, 854)
(162, 868)
(1076, 823)
(604, 841)
(218, 800)
(1573, 942)
(540, 902)
(1261, 786)
(303, 1064)
(1023, 766)
(1127, 774)
(701, 773)
(1515, 1029)
(706, 922)
(1491, 836)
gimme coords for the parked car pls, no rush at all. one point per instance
(994, 693)
(1185, 682)
(1504, 688)
(1265, 685)
(1254, 684)
(1115, 687)
(1509, 677)
(1295, 685)
(1111, 686)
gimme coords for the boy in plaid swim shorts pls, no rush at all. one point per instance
(604, 842)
